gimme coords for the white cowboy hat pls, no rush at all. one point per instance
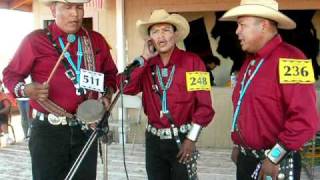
(267, 9)
(48, 2)
(162, 16)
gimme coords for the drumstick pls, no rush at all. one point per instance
(71, 38)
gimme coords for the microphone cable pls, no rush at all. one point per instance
(122, 128)
(136, 62)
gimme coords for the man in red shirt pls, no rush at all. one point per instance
(173, 96)
(56, 136)
(274, 99)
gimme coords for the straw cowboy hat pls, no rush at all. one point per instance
(48, 2)
(162, 16)
(267, 9)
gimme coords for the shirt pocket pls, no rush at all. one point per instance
(180, 94)
(266, 98)
(179, 91)
(265, 90)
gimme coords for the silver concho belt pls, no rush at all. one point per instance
(165, 133)
(51, 118)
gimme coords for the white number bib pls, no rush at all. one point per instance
(91, 80)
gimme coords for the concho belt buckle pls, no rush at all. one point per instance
(54, 120)
(165, 134)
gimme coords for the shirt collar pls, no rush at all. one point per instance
(57, 32)
(268, 48)
(173, 58)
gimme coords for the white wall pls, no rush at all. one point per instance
(15, 25)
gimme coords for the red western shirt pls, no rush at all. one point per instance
(185, 107)
(270, 111)
(36, 56)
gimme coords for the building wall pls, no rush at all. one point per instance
(216, 134)
(222, 72)
(192, 9)
(104, 21)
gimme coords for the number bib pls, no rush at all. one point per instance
(198, 80)
(296, 71)
(91, 80)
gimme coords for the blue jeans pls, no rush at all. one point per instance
(24, 112)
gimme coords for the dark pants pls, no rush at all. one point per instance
(161, 160)
(53, 150)
(247, 164)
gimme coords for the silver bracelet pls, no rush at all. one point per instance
(276, 154)
(194, 132)
(17, 88)
(23, 94)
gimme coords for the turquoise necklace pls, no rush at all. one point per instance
(243, 90)
(165, 87)
(76, 68)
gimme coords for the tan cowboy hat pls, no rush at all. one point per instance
(162, 16)
(48, 2)
(267, 9)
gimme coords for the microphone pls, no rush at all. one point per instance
(137, 62)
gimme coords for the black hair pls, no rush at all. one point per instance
(211, 59)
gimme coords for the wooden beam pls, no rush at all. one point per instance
(14, 4)
(26, 8)
(298, 4)
(4, 5)
(223, 5)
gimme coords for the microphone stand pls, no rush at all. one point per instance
(102, 127)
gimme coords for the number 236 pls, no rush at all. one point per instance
(296, 71)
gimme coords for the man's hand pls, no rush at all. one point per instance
(269, 169)
(107, 98)
(149, 50)
(106, 102)
(186, 150)
(36, 91)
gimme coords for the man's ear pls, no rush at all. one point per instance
(53, 9)
(264, 24)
